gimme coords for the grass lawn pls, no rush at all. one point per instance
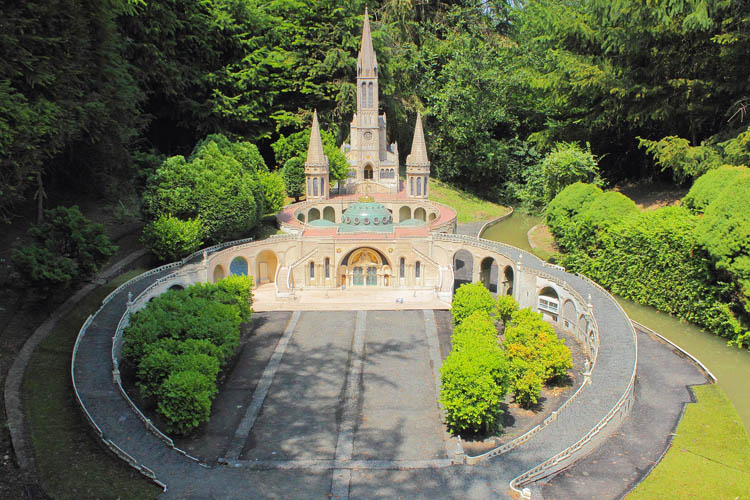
(469, 207)
(71, 464)
(709, 457)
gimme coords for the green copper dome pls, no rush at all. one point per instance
(366, 217)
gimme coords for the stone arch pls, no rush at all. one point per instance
(569, 313)
(488, 274)
(368, 171)
(508, 280)
(420, 213)
(238, 267)
(313, 214)
(582, 323)
(329, 213)
(219, 273)
(404, 213)
(432, 216)
(301, 217)
(548, 302)
(177, 287)
(463, 268)
(265, 267)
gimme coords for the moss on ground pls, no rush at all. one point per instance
(709, 457)
(470, 208)
(70, 461)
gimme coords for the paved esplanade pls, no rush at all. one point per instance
(322, 353)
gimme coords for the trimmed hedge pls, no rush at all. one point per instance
(667, 258)
(180, 341)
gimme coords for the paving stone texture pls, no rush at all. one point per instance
(301, 415)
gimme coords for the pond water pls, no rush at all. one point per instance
(730, 365)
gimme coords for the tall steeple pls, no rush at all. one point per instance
(417, 164)
(418, 156)
(367, 63)
(316, 164)
(315, 155)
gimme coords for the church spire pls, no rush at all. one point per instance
(418, 156)
(315, 155)
(367, 63)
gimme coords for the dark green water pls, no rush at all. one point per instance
(730, 365)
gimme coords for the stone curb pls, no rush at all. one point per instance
(14, 379)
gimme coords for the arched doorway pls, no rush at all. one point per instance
(420, 214)
(488, 274)
(569, 314)
(404, 213)
(313, 214)
(365, 267)
(463, 268)
(301, 217)
(238, 267)
(368, 172)
(219, 273)
(508, 280)
(176, 287)
(548, 303)
(433, 216)
(329, 214)
(266, 263)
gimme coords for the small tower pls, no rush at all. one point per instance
(316, 165)
(417, 164)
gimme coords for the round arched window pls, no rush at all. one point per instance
(376, 221)
(367, 221)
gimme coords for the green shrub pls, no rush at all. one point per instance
(477, 329)
(564, 209)
(473, 384)
(192, 331)
(185, 400)
(535, 353)
(293, 174)
(471, 297)
(273, 191)
(506, 305)
(220, 184)
(170, 238)
(710, 186)
(526, 383)
(567, 164)
(65, 247)
(724, 232)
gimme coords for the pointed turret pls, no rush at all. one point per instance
(367, 63)
(417, 164)
(316, 164)
(418, 156)
(315, 155)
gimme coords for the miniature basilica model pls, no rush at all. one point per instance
(377, 241)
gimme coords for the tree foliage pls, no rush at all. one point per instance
(170, 238)
(220, 184)
(65, 247)
(471, 297)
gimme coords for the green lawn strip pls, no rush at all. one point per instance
(71, 464)
(469, 207)
(709, 457)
